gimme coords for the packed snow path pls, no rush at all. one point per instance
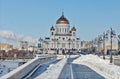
(78, 71)
(84, 72)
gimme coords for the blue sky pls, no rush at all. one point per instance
(35, 17)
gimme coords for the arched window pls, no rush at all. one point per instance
(60, 29)
(63, 44)
(65, 29)
(52, 33)
(73, 33)
(57, 29)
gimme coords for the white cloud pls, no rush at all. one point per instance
(7, 35)
(10, 36)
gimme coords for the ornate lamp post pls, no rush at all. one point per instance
(111, 59)
(99, 43)
(58, 47)
(92, 46)
(69, 40)
(0, 46)
(105, 35)
(112, 33)
(119, 42)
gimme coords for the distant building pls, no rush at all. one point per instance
(107, 46)
(23, 45)
(6, 47)
(62, 37)
(32, 48)
(85, 45)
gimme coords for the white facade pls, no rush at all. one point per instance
(23, 45)
(62, 38)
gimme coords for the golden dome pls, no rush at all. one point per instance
(73, 29)
(62, 20)
(52, 28)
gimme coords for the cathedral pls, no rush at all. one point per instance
(62, 38)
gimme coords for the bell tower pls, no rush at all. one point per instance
(52, 30)
(73, 31)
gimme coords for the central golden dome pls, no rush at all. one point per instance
(62, 20)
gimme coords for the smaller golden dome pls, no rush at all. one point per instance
(52, 28)
(73, 29)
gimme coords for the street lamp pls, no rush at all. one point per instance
(111, 36)
(69, 40)
(119, 37)
(99, 43)
(58, 47)
(111, 59)
(92, 46)
(119, 42)
(104, 39)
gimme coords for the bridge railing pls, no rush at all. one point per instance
(26, 68)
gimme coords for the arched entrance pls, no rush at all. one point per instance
(63, 51)
(57, 51)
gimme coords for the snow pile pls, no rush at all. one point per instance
(101, 66)
(9, 65)
(3, 69)
(53, 71)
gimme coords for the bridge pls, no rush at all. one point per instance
(34, 68)
(50, 67)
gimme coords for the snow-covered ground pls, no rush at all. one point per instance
(103, 67)
(9, 65)
(53, 70)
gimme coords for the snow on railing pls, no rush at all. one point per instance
(24, 69)
(53, 71)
